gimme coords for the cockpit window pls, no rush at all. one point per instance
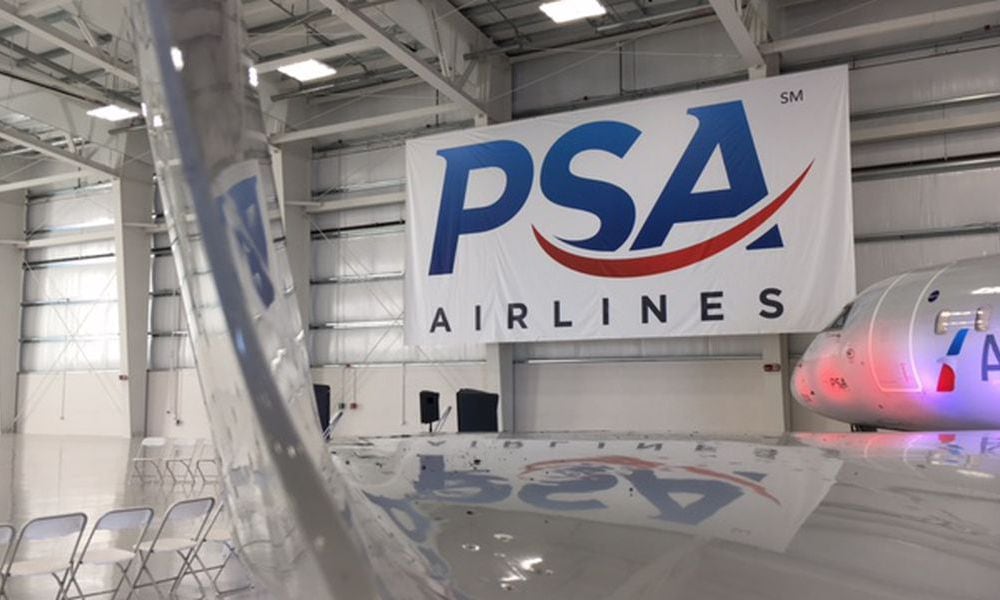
(841, 319)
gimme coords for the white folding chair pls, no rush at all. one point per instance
(152, 452)
(46, 546)
(180, 532)
(218, 532)
(207, 465)
(184, 452)
(7, 534)
(114, 541)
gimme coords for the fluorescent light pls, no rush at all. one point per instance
(253, 77)
(529, 564)
(112, 112)
(177, 57)
(563, 11)
(307, 70)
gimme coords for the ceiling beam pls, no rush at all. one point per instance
(732, 22)
(319, 54)
(939, 17)
(357, 124)
(372, 32)
(40, 181)
(41, 6)
(36, 26)
(30, 141)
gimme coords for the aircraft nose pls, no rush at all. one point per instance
(802, 388)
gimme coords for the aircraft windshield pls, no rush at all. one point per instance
(841, 319)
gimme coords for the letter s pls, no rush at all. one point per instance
(609, 203)
(453, 219)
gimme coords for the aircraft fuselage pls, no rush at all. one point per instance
(915, 351)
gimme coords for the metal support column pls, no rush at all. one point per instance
(292, 174)
(774, 348)
(133, 216)
(12, 213)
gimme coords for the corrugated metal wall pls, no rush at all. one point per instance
(69, 309)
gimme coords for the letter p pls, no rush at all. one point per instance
(454, 220)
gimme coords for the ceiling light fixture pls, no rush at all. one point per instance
(177, 57)
(112, 112)
(563, 11)
(307, 70)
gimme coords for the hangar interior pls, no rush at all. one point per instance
(94, 338)
(96, 359)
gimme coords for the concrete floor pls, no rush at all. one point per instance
(48, 475)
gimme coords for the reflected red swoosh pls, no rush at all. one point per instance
(675, 259)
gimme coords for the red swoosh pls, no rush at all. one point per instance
(675, 259)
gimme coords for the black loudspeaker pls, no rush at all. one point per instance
(430, 410)
(477, 411)
(322, 393)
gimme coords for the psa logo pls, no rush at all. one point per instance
(722, 126)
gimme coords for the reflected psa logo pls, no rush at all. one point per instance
(723, 126)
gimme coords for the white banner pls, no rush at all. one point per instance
(721, 211)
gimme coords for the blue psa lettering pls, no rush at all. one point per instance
(458, 487)
(719, 125)
(715, 495)
(609, 203)
(454, 220)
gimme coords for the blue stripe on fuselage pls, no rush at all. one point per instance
(956, 344)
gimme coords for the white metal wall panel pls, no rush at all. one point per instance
(70, 402)
(381, 345)
(72, 355)
(346, 169)
(692, 54)
(99, 248)
(164, 273)
(929, 201)
(69, 318)
(169, 345)
(355, 255)
(171, 353)
(879, 260)
(359, 217)
(970, 71)
(167, 314)
(804, 18)
(698, 396)
(83, 280)
(560, 78)
(936, 77)
(929, 147)
(72, 211)
(667, 348)
(358, 301)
